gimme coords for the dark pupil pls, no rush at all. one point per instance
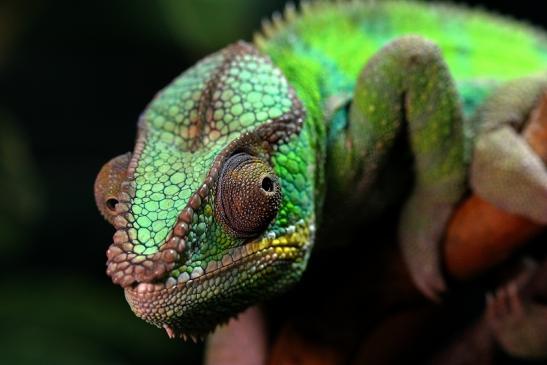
(111, 204)
(267, 184)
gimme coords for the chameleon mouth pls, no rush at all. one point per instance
(177, 304)
(234, 257)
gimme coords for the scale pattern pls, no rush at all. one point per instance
(181, 133)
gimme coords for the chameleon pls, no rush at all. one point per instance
(242, 161)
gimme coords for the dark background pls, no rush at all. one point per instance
(74, 77)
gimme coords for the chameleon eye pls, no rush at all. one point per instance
(248, 195)
(107, 185)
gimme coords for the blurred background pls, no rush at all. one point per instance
(74, 77)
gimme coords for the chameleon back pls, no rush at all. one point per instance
(328, 45)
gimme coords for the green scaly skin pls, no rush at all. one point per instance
(197, 241)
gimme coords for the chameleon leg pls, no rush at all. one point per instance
(505, 170)
(518, 323)
(407, 87)
(481, 234)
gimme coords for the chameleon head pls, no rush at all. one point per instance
(214, 209)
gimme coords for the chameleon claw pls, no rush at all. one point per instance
(426, 276)
(507, 303)
(432, 288)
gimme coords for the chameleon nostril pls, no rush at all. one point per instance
(111, 204)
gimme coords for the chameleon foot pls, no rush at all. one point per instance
(518, 325)
(419, 242)
(427, 276)
(508, 168)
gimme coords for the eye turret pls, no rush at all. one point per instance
(248, 195)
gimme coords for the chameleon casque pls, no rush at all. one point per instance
(218, 206)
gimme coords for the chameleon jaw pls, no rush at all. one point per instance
(181, 306)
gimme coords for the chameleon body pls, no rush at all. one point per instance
(218, 206)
